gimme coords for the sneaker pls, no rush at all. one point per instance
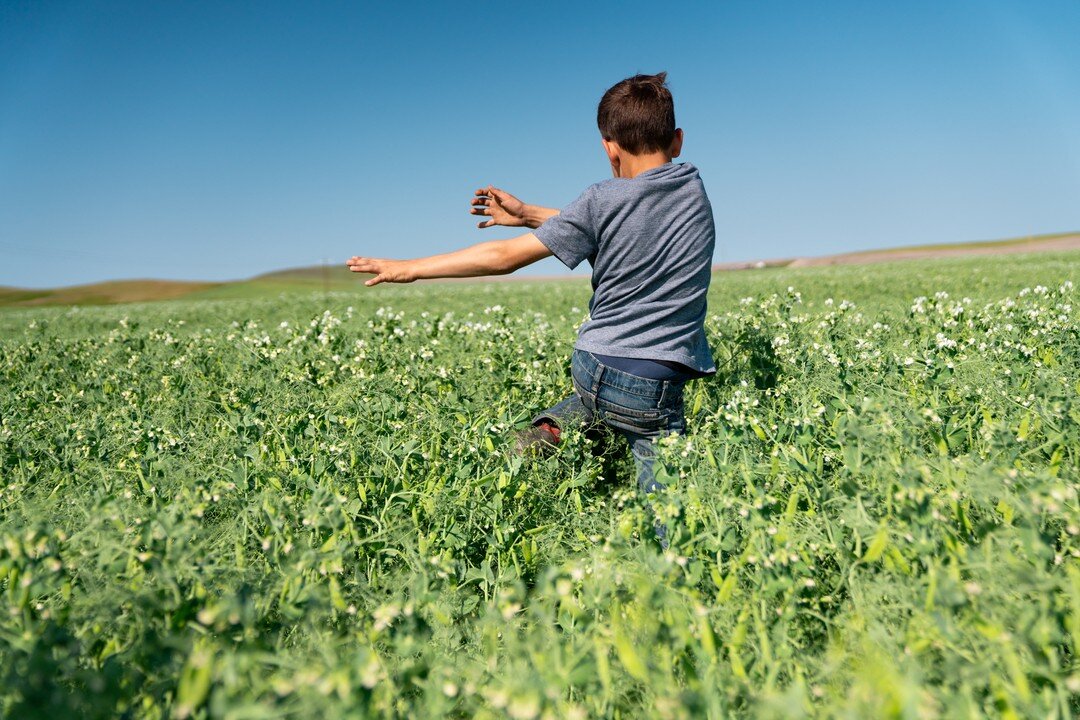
(537, 439)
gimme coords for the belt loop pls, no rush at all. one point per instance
(599, 370)
(663, 393)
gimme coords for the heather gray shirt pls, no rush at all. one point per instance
(650, 242)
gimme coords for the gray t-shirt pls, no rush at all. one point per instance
(650, 242)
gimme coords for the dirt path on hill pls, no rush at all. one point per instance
(1067, 242)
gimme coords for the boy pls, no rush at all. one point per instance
(648, 234)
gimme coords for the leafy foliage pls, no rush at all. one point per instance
(307, 506)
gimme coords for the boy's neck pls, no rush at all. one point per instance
(630, 166)
(627, 165)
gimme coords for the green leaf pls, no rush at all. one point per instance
(194, 683)
(877, 546)
(628, 655)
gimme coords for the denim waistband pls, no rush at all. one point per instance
(614, 377)
(653, 369)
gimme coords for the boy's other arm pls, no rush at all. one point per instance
(505, 209)
(497, 257)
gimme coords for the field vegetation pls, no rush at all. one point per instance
(305, 505)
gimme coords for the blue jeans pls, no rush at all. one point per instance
(642, 410)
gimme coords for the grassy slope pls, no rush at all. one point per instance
(977, 245)
(334, 278)
(105, 293)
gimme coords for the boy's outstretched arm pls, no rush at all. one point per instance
(505, 209)
(497, 257)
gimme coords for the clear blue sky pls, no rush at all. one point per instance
(220, 140)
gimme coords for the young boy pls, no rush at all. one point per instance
(648, 234)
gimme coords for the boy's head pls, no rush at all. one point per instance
(639, 115)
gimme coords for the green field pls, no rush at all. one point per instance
(336, 277)
(302, 503)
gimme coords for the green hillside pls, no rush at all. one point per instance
(337, 278)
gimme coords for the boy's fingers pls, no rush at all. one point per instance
(363, 265)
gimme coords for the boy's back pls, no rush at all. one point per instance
(650, 241)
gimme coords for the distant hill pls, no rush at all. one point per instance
(338, 277)
(104, 293)
(1032, 243)
(314, 274)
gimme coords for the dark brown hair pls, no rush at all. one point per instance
(639, 114)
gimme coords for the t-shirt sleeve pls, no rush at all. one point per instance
(571, 235)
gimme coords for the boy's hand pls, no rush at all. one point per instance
(395, 271)
(501, 206)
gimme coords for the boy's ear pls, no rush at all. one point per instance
(676, 143)
(612, 149)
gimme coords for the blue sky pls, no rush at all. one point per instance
(209, 140)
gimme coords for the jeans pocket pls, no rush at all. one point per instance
(634, 419)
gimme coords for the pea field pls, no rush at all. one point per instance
(306, 504)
